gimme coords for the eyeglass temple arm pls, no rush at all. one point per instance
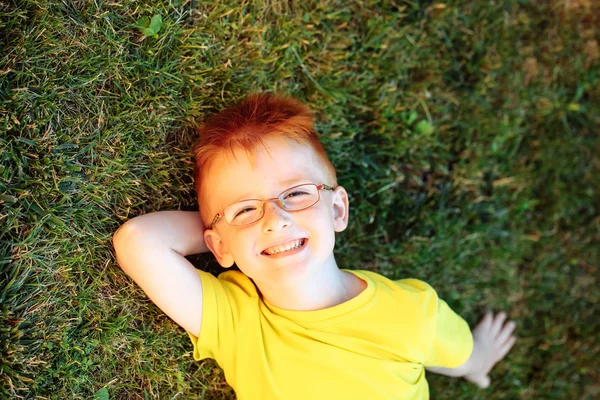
(217, 218)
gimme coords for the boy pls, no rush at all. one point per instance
(292, 324)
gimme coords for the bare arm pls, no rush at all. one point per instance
(151, 249)
(492, 340)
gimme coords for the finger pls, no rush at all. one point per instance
(505, 333)
(486, 322)
(483, 382)
(497, 324)
(505, 348)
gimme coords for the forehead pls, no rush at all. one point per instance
(262, 173)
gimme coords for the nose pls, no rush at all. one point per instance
(275, 218)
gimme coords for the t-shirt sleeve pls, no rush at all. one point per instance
(445, 336)
(219, 320)
(452, 341)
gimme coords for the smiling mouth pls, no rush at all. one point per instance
(288, 247)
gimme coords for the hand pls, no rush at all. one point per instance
(493, 340)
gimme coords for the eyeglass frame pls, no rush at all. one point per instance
(221, 215)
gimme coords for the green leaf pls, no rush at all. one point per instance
(102, 394)
(424, 128)
(154, 27)
(143, 22)
(150, 27)
(411, 117)
(156, 23)
(147, 32)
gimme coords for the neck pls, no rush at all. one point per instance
(326, 287)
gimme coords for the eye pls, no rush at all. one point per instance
(244, 211)
(295, 193)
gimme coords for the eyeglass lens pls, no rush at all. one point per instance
(294, 199)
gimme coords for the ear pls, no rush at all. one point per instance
(217, 247)
(341, 208)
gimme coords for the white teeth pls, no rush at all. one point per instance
(292, 245)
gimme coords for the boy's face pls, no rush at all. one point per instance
(264, 175)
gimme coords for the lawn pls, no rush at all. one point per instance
(466, 134)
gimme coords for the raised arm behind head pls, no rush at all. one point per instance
(151, 249)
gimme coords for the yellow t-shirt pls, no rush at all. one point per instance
(374, 346)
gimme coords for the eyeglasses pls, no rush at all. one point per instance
(249, 211)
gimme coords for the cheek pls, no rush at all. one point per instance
(320, 223)
(321, 213)
(242, 242)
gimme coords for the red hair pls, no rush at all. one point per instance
(245, 124)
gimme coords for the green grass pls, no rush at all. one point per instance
(496, 206)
